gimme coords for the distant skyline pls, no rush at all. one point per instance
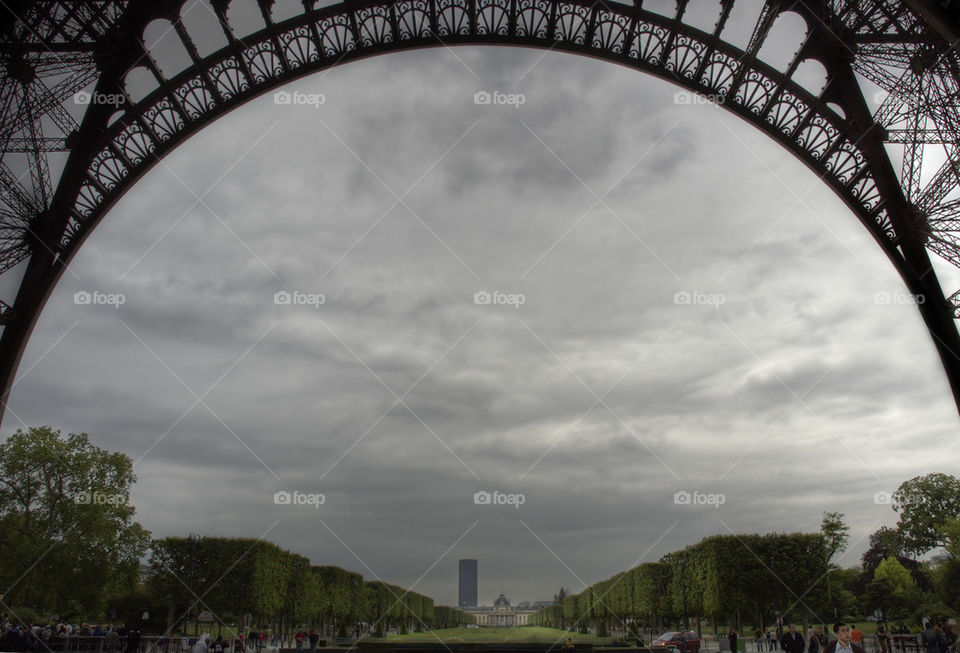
(563, 338)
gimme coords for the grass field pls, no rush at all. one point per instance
(493, 635)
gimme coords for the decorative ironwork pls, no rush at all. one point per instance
(52, 50)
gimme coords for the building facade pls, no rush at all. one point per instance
(501, 614)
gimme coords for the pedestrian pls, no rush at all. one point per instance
(133, 640)
(769, 638)
(950, 631)
(201, 645)
(882, 638)
(932, 638)
(110, 640)
(855, 635)
(793, 641)
(842, 643)
(813, 642)
(732, 640)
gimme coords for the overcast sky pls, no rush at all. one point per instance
(798, 379)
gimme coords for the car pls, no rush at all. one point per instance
(685, 641)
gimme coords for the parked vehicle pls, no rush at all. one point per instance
(684, 641)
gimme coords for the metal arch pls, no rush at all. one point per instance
(846, 148)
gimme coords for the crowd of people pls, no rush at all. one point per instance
(108, 638)
(18, 638)
(933, 638)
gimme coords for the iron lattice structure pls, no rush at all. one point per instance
(869, 152)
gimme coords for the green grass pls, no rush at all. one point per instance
(493, 635)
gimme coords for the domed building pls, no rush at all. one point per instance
(501, 614)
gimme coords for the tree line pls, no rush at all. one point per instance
(70, 550)
(757, 581)
(282, 590)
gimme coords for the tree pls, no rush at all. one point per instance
(925, 503)
(884, 542)
(949, 534)
(835, 532)
(904, 595)
(878, 595)
(67, 535)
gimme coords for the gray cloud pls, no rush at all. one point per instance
(800, 393)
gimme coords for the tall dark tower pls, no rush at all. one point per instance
(468, 583)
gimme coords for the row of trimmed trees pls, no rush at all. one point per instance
(279, 590)
(756, 579)
(728, 578)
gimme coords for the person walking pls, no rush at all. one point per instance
(842, 643)
(813, 642)
(732, 640)
(793, 641)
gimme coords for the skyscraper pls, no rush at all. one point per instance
(468, 583)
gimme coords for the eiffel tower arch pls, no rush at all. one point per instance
(867, 147)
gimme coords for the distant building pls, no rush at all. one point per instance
(468, 584)
(501, 614)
